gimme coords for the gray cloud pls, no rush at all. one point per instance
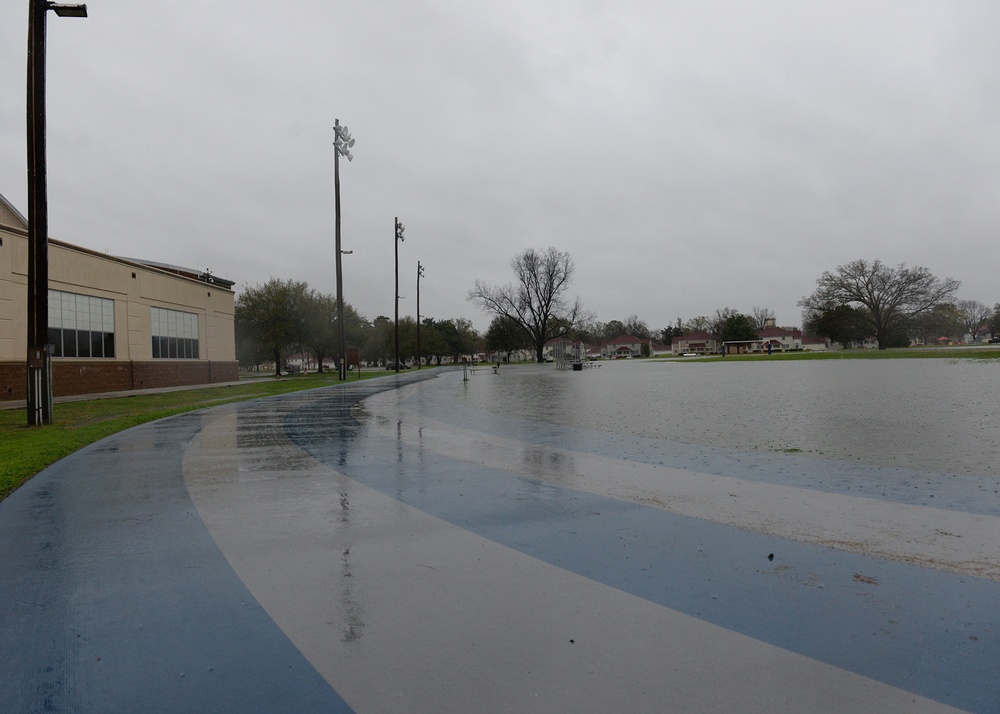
(690, 156)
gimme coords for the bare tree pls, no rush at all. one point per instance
(974, 315)
(889, 298)
(698, 324)
(761, 316)
(636, 327)
(537, 301)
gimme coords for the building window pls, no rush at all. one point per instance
(175, 334)
(81, 325)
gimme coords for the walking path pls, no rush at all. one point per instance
(364, 548)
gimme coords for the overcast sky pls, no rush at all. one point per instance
(689, 155)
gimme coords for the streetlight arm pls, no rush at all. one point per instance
(67, 10)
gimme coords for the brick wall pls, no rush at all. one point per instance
(94, 376)
(88, 377)
(13, 380)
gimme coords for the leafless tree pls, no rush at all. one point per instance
(889, 298)
(537, 300)
(974, 315)
(698, 324)
(636, 327)
(761, 316)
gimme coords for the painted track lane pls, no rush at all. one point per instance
(114, 597)
(923, 629)
(312, 553)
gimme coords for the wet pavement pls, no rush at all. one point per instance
(367, 547)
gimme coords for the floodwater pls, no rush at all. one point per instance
(940, 415)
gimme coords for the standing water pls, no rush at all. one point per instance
(939, 415)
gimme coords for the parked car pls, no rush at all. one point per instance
(995, 340)
(391, 366)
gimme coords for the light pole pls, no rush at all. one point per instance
(398, 239)
(342, 147)
(39, 358)
(420, 273)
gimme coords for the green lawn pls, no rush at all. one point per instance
(26, 450)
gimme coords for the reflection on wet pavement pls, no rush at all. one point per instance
(393, 524)
(901, 532)
(389, 546)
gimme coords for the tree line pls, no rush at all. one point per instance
(536, 308)
(284, 317)
(858, 300)
(896, 305)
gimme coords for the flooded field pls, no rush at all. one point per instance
(936, 414)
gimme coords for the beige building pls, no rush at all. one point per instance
(115, 323)
(700, 343)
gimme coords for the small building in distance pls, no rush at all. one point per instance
(564, 349)
(622, 347)
(115, 323)
(770, 339)
(699, 343)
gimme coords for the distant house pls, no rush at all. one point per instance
(622, 347)
(815, 344)
(982, 335)
(564, 348)
(502, 356)
(769, 340)
(780, 339)
(773, 339)
(700, 343)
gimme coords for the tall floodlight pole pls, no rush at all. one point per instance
(420, 273)
(39, 358)
(342, 147)
(398, 239)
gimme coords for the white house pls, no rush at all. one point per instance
(699, 342)
(621, 347)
